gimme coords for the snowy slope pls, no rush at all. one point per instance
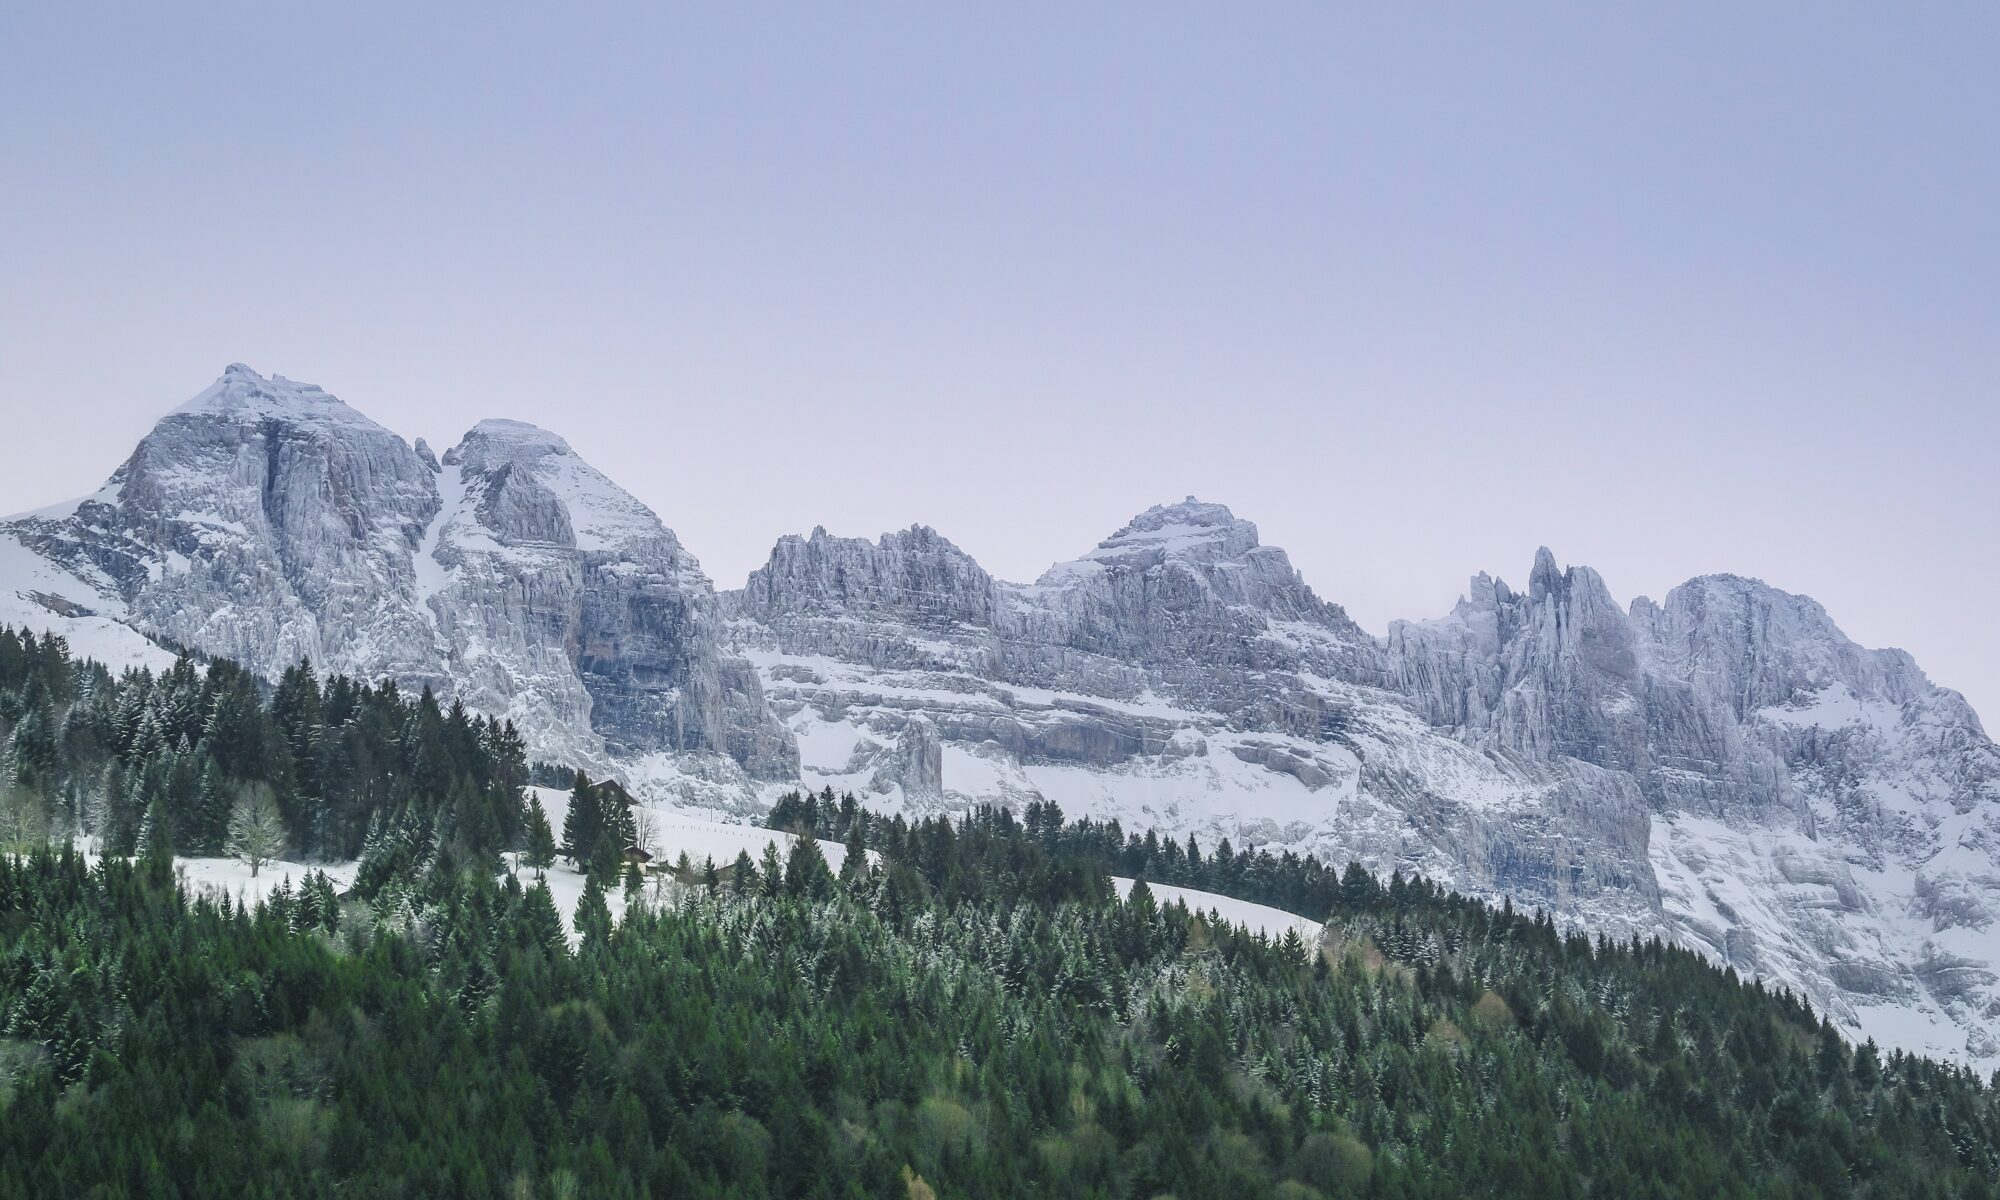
(1257, 918)
(39, 594)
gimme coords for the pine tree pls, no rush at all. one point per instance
(854, 866)
(772, 870)
(584, 824)
(593, 915)
(805, 869)
(541, 851)
(542, 925)
(615, 818)
(156, 840)
(212, 807)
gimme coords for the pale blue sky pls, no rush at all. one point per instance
(1417, 290)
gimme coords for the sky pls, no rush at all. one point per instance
(1416, 289)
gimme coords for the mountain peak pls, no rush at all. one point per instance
(499, 439)
(604, 516)
(1546, 577)
(242, 394)
(522, 433)
(1189, 529)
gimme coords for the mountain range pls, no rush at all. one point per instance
(1722, 768)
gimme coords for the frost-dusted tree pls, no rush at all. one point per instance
(854, 867)
(24, 820)
(771, 869)
(256, 827)
(211, 811)
(805, 869)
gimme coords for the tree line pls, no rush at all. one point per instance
(963, 1009)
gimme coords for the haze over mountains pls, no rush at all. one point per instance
(1723, 766)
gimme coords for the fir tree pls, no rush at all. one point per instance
(771, 870)
(541, 851)
(156, 839)
(581, 828)
(542, 925)
(854, 864)
(805, 870)
(593, 915)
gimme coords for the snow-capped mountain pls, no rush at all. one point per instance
(1725, 768)
(266, 521)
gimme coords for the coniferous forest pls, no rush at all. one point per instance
(964, 1010)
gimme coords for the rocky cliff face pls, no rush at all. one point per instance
(563, 601)
(1723, 768)
(266, 521)
(1727, 769)
(1179, 675)
(263, 520)
(1820, 813)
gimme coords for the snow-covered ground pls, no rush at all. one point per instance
(672, 834)
(1258, 918)
(218, 877)
(35, 588)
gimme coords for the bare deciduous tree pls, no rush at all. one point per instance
(646, 829)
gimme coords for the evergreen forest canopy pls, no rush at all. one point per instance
(973, 1013)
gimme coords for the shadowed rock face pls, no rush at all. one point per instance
(1723, 768)
(266, 521)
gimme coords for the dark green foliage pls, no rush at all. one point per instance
(976, 1012)
(992, 1046)
(144, 759)
(599, 827)
(541, 848)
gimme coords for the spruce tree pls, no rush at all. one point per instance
(772, 870)
(593, 915)
(156, 840)
(584, 822)
(541, 851)
(805, 869)
(211, 815)
(542, 925)
(854, 866)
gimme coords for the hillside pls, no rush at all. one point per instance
(963, 1007)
